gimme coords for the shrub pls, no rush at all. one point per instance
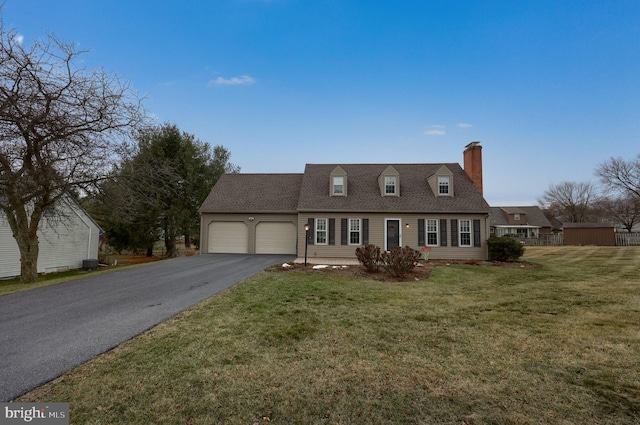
(369, 256)
(504, 248)
(400, 261)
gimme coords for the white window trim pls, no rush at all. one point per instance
(326, 232)
(349, 231)
(470, 232)
(334, 185)
(394, 183)
(448, 178)
(426, 231)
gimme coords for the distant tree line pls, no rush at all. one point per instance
(616, 198)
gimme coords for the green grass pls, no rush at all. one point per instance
(9, 286)
(557, 344)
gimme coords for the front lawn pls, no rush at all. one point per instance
(473, 344)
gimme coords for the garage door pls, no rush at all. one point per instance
(275, 238)
(228, 237)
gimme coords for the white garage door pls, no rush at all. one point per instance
(275, 238)
(228, 237)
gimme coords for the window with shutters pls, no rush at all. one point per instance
(354, 231)
(432, 232)
(465, 232)
(321, 231)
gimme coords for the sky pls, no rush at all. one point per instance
(551, 88)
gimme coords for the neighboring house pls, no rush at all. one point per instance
(65, 241)
(523, 222)
(348, 205)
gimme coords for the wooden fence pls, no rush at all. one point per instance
(627, 239)
(544, 240)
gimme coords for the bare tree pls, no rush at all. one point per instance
(624, 210)
(60, 126)
(621, 176)
(570, 201)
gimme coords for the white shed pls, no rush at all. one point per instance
(64, 243)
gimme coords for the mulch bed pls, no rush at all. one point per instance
(422, 271)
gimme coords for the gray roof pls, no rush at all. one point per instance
(257, 193)
(290, 193)
(363, 191)
(535, 216)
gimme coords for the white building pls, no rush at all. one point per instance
(64, 243)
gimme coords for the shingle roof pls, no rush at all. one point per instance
(535, 216)
(258, 193)
(364, 193)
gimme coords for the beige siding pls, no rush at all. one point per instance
(409, 235)
(250, 220)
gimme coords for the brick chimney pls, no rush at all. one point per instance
(473, 163)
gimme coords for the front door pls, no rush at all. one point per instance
(393, 233)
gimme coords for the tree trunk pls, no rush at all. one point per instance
(29, 260)
(170, 240)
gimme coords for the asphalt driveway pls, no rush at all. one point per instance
(47, 331)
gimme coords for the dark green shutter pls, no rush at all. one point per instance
(344, 232)
(332, 231)
(443, 232)
(476, 233)
(422, 237)
(365, 231)
(454, 232)
(311, 232)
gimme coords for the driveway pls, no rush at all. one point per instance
(47, 331)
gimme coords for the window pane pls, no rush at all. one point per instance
(321, 231)
(465, 232)
(390, 184)
(443, 185)
(354, 231)
(432, 232)
(338, 185)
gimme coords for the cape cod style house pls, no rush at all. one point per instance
(440, 206)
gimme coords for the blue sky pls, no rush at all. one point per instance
(550, 88)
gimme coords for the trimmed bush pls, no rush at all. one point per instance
(370, 257)
(400, 261)
(504, 248)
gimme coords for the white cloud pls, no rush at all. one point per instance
(464, 125)
(242, 80)
(19, 39)
(436, 130)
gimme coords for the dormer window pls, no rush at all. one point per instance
(338, 182)
(338, 185)
(444, 183)
(390, 183)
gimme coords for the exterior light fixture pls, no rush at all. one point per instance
(251, 218)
